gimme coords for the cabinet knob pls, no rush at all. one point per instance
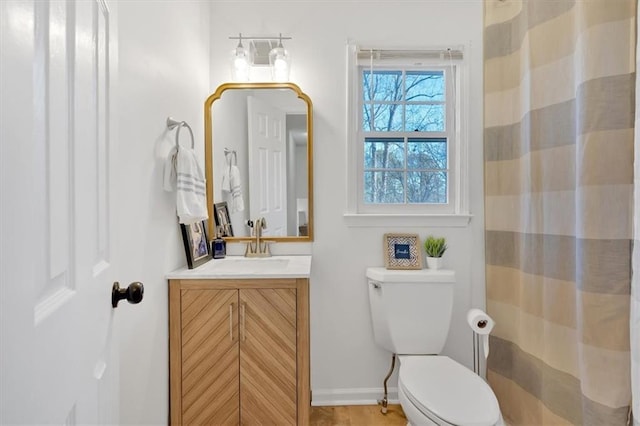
(133, 293)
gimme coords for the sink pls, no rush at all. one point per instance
(249, 265)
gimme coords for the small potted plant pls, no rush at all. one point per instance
(435, 248)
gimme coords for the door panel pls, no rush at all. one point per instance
(210, 369)
(58, 363)
(268, 381)
(267, 165)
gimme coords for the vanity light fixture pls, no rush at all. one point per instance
(240, 62)
(260, 52)
(280, 62)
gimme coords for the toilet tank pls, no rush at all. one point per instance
(411, 309)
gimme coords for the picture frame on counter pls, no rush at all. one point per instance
(223, 221)
(196, 243)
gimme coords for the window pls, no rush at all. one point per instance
(405, 145)
(405, 170)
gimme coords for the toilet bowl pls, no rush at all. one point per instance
(436, 390)
(411, 314)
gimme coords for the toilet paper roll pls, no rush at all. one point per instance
(482, 324)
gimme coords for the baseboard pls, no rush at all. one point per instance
(358, 396)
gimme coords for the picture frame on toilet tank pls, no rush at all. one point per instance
(402, 251)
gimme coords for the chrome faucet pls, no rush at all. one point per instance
(258, 247)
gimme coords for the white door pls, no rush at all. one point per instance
(267, 165)
(57, 364)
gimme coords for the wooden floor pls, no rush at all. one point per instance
(357, 415)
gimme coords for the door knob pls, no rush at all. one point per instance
(133, 293)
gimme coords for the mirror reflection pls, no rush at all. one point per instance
(259, 149)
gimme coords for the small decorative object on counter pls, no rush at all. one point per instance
(222, 219)
(218, 245)
(196, 243)
(435, 248)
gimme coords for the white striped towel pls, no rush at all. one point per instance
(170, 177)
(189, 183)
(237, 201)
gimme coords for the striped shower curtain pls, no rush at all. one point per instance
(559, 132)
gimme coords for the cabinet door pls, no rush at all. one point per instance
(210, 370)
(268, 367)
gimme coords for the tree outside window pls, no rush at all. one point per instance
(405, 141)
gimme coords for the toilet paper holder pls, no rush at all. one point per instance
(476, 353)
(481, 325)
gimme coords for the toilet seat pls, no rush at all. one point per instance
(440, 387)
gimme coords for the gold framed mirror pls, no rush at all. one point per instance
(259, 160)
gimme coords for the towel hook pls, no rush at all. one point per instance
(234, 156)
(171, 123)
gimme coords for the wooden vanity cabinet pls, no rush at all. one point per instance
(239, 351)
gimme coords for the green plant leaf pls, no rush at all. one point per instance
(435, 246)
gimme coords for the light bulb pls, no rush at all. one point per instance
(240, 64)
(280, 64)
(280, 70)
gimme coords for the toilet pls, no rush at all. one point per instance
(411, 314)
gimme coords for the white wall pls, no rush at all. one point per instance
(164, 70)
(345, 361)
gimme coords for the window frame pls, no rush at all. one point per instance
(455, 211)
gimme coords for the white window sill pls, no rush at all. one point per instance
(407, 220)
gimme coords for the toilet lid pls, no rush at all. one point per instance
(439, 385)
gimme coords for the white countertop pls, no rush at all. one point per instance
(233, 267)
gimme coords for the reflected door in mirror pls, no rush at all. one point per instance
(267, 165)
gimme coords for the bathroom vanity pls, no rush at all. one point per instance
(239, 342)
